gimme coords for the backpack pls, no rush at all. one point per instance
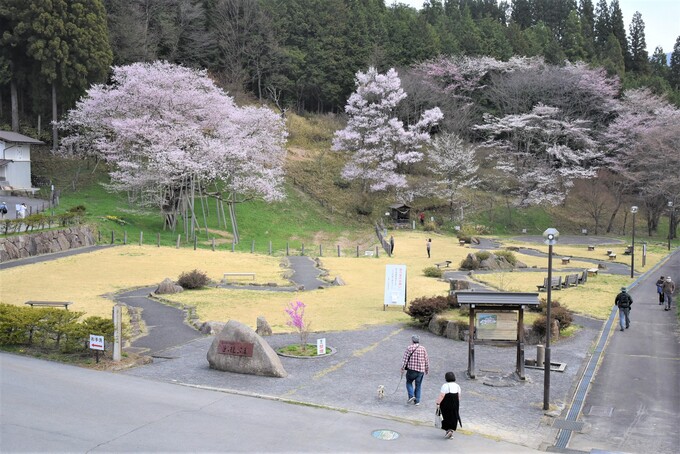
(624, 300)
(3, 209)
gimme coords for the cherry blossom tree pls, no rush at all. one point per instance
(168, 133)
(380, 147)
(454, 163)
(542, 152)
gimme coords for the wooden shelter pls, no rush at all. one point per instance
(494, 313)
(400, 213)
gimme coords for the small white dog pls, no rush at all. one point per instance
(381, 392)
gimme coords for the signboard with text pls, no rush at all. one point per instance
(96, 342)
(496, 325)
(321, 346)
(395, 286)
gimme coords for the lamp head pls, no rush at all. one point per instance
(550, 236)
(670, 204)
(633, 209)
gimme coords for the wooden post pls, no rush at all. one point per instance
(471, 343)
(113, 237)
(320, 251)
(520, 343)
(338, 250)
(158, 240)
(357, 250)
(99, 236)
(287, 248)
(302, 251)
(141, 237)
(124, 236)
(270, 247)
(213, 244)
(376, 252)
(195, 240)
(233, 245)
(178, 240)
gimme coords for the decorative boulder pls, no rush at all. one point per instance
(437, 325)
(237, 348)
(338, 281)
(211, 327)
(168, 287)
(263, 328)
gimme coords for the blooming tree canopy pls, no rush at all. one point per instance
(166, 130)
(379, 144)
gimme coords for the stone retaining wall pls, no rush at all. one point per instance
(28, 245)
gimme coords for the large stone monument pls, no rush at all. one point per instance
(237, 348)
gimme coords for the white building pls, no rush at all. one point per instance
(15, 161)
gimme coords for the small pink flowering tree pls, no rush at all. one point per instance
(296, 312)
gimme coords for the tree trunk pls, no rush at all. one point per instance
(15, 104)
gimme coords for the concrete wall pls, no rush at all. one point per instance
(21, 246)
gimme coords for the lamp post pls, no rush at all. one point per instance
(670, 223)
(550, 238)
(633, 210)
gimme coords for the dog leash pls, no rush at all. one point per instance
(397, 388)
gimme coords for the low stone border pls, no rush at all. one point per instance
(331, 351)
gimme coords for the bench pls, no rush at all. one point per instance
(227, 275)
(565, 260)
(592, 271)
(444, 264)
(612, 256)
(556, 284)
(591, 248)
(64, 304)
(570, 280)
(609, 252)
(583, 278)
(628, 251)
(461, 242)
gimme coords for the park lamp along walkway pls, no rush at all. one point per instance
(633, 209)
(670, 222)
(551, 235)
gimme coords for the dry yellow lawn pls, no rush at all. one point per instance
(89, 279)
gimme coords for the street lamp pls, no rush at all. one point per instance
(633, 210)
(670, 222)
(550, 238)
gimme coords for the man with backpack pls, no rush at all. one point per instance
(3, 209)
(624, 301)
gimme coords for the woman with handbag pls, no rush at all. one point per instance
(449, 404)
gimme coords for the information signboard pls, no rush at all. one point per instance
(496, 325)
(96, 342)
(395, 286)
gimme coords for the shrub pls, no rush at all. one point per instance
(543, 305)
(563, 316)
(539, 326)
(193, 279)
(432, 271)
(430, 226)
(508, 255)
(78, 209)
(424, 308)
(483, 255)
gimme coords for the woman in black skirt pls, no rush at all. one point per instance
(449, 404)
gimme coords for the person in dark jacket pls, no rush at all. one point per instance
(624, 301)
(659, 289)
(449, 404)
(668, 289)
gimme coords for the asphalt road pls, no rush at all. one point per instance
(52, 407)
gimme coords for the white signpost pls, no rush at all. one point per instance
(96, 344)
(395, 286)
(321, 346)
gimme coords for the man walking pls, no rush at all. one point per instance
(624, 301)
(668, 289)
(416, 364)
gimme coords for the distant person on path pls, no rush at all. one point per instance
(668, 289)
(449, 404)
(428, 245)
(416, 364)
(659, 289)
(391, 244)
(624, 301)
(3, 209)
(21, 212)
(421, 216)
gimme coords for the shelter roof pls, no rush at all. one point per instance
(15, 137)
(497, 298)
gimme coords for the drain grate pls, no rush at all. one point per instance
(385, 434)
(575, 426)
(596, 410)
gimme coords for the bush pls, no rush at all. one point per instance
(430, 226)
(563, 316)
(483, 255)
(508, 255)
(424, 308)
(432, 271)
(543, 305)
(79, 210)
(193, 279)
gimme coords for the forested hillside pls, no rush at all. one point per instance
(530, 101)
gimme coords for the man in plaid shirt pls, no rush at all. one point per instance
(416, 364)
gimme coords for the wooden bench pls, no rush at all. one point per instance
(609, 252)
(461, 242)
(64, 304)
(628, 251)
(612, 256)
(227, 275)
(565, 260)
(570, 280)
(444, 264)
(592, 271)
(583, 278)
(556, 284)
(591, 248)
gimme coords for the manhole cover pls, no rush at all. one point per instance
(596, 410)
(385, 434)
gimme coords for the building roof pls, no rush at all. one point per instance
(497, 298)
(15, 137)
(399, 205)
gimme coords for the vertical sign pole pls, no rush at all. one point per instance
(117, 331)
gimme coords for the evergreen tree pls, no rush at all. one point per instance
(612, 58)
(493, 39)
(639, 59)
(619, 29)
(674, 70)
(659, 63)
(521, 13)
(587, 18)
(572, 41)
(602, 26)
